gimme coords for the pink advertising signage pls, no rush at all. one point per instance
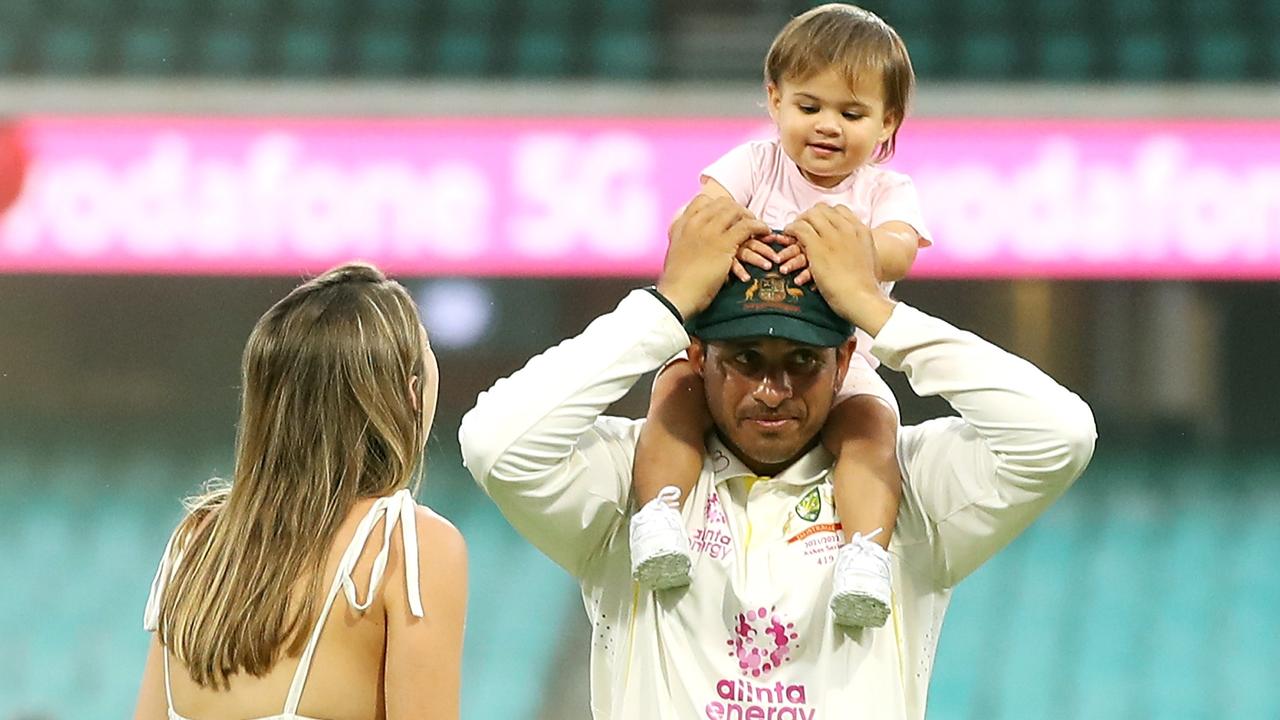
(1004, 198)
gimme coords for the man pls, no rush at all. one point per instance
(750, 638)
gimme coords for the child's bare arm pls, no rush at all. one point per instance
(671, 444)
(896, 246)
(861, 432)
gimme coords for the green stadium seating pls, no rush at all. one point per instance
(971, 40)
(989, 55)
(623, 54)
(308, 52)
(387, 52)
(239, 12)
(70, 50)
(1066, 57)
(82, 11)
(985, 15)
(329, 13)
(628, 15)
(475, 15)
(227, 51)
(1145, 14)
(394, 12)
(20, 13)
(1147, 591)
(150, 51)
(1221, 56)
(543, 53)
(1214, 13)
(465, 54)
(1068, 15)
(1145, 57)
(173, 15)
(10, 49)
(928, 55)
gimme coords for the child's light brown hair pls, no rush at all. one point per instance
(854, 42)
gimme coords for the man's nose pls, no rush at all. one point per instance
(773, 389)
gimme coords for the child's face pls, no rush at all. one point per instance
(828, 128)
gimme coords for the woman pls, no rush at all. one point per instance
(339, 391)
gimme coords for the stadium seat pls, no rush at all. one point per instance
(636, 15)
(1144, 14)
(977, 16)
(989, 55)
(1214, 14)
(1068, 15)
(928, 55)
(907, 16)
(1221, 56)
(1146, 57)
(20, 14)
(386, 52)
(393, 12)
(475, 15)
(174, 15)
(318, 12)
(227, 52)
(627, 55)
(69, 50)
(84, 11)
(543, 53)
(150, 51)
(307, 51)
(238, 12)
(10, 49)
(1066, 56)
(463, 54)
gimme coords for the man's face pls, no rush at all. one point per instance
(769, 397)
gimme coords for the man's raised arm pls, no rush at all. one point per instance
(1021, 438)
(536, 441)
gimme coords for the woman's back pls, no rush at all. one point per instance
(312, 584)
(364, 662)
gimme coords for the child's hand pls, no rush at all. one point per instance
(755, 251)
(792, 258)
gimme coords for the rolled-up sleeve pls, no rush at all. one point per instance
(1020, 440)
(537, 443)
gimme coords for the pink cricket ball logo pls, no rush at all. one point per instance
(762, 640)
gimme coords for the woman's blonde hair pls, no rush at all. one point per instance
(854, 42)
(326, 418)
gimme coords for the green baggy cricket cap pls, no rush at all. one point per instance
(770, 304)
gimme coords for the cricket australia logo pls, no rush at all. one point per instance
(762, 639)
(810, 506)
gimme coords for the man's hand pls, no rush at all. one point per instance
(704, 242)
(842, 258)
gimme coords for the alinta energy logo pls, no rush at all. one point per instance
(762, 640)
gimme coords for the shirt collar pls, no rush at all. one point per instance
(807, 470)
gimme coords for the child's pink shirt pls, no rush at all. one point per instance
(764, 180)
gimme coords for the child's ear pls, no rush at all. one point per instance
(774, 98)
(891, 123)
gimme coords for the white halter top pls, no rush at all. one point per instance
(398, 507)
